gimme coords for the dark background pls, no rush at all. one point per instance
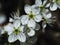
(50, 37)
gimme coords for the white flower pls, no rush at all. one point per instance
(45, 12)
(32, 16)
(39, 2)
(47, 15)
(30, 31)
(15, 31)
(40, 5)
(47, 19)
(54, 5)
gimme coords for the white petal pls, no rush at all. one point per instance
(53, 7)
(16, 23)
(47, 5)
(45, 11)
(49, 15)
(44, 25)
(35, 10)
(9, 28)
(53, 0)
(38, 18)
(31, 33)
(38, 2)
(21, 28)
(27, 9)
(11, 20)
(37, 27)
(44, 2)
(21, 37)
(12, 38)
(31, 23)
(2, 18)
(24, 19)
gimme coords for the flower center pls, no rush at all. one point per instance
(41, 8)
(16, 31)
(57, 1)
(31, 16)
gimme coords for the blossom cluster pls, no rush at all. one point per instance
(22, 27)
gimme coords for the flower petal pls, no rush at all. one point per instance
(35, 10)
(37, 27)
(12, 38)
(38, 2)
(44, 25)
(53, 0)
(21, 28)
(24, 19)
(38, 18)
(9, 28)
(44, 2)
(31, 23)
(53, 7)
(21, 37)
(31, 33)
(47, 5)
(16, 23)
(11, 20)
(49, 15)
(46, 11)
(27, 9)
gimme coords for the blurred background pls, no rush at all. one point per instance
(51, 35)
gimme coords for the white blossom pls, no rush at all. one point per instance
(32, 16)
(54, 5)
(47, 19)
(15, 31)
(41, 5)
(30, 31)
